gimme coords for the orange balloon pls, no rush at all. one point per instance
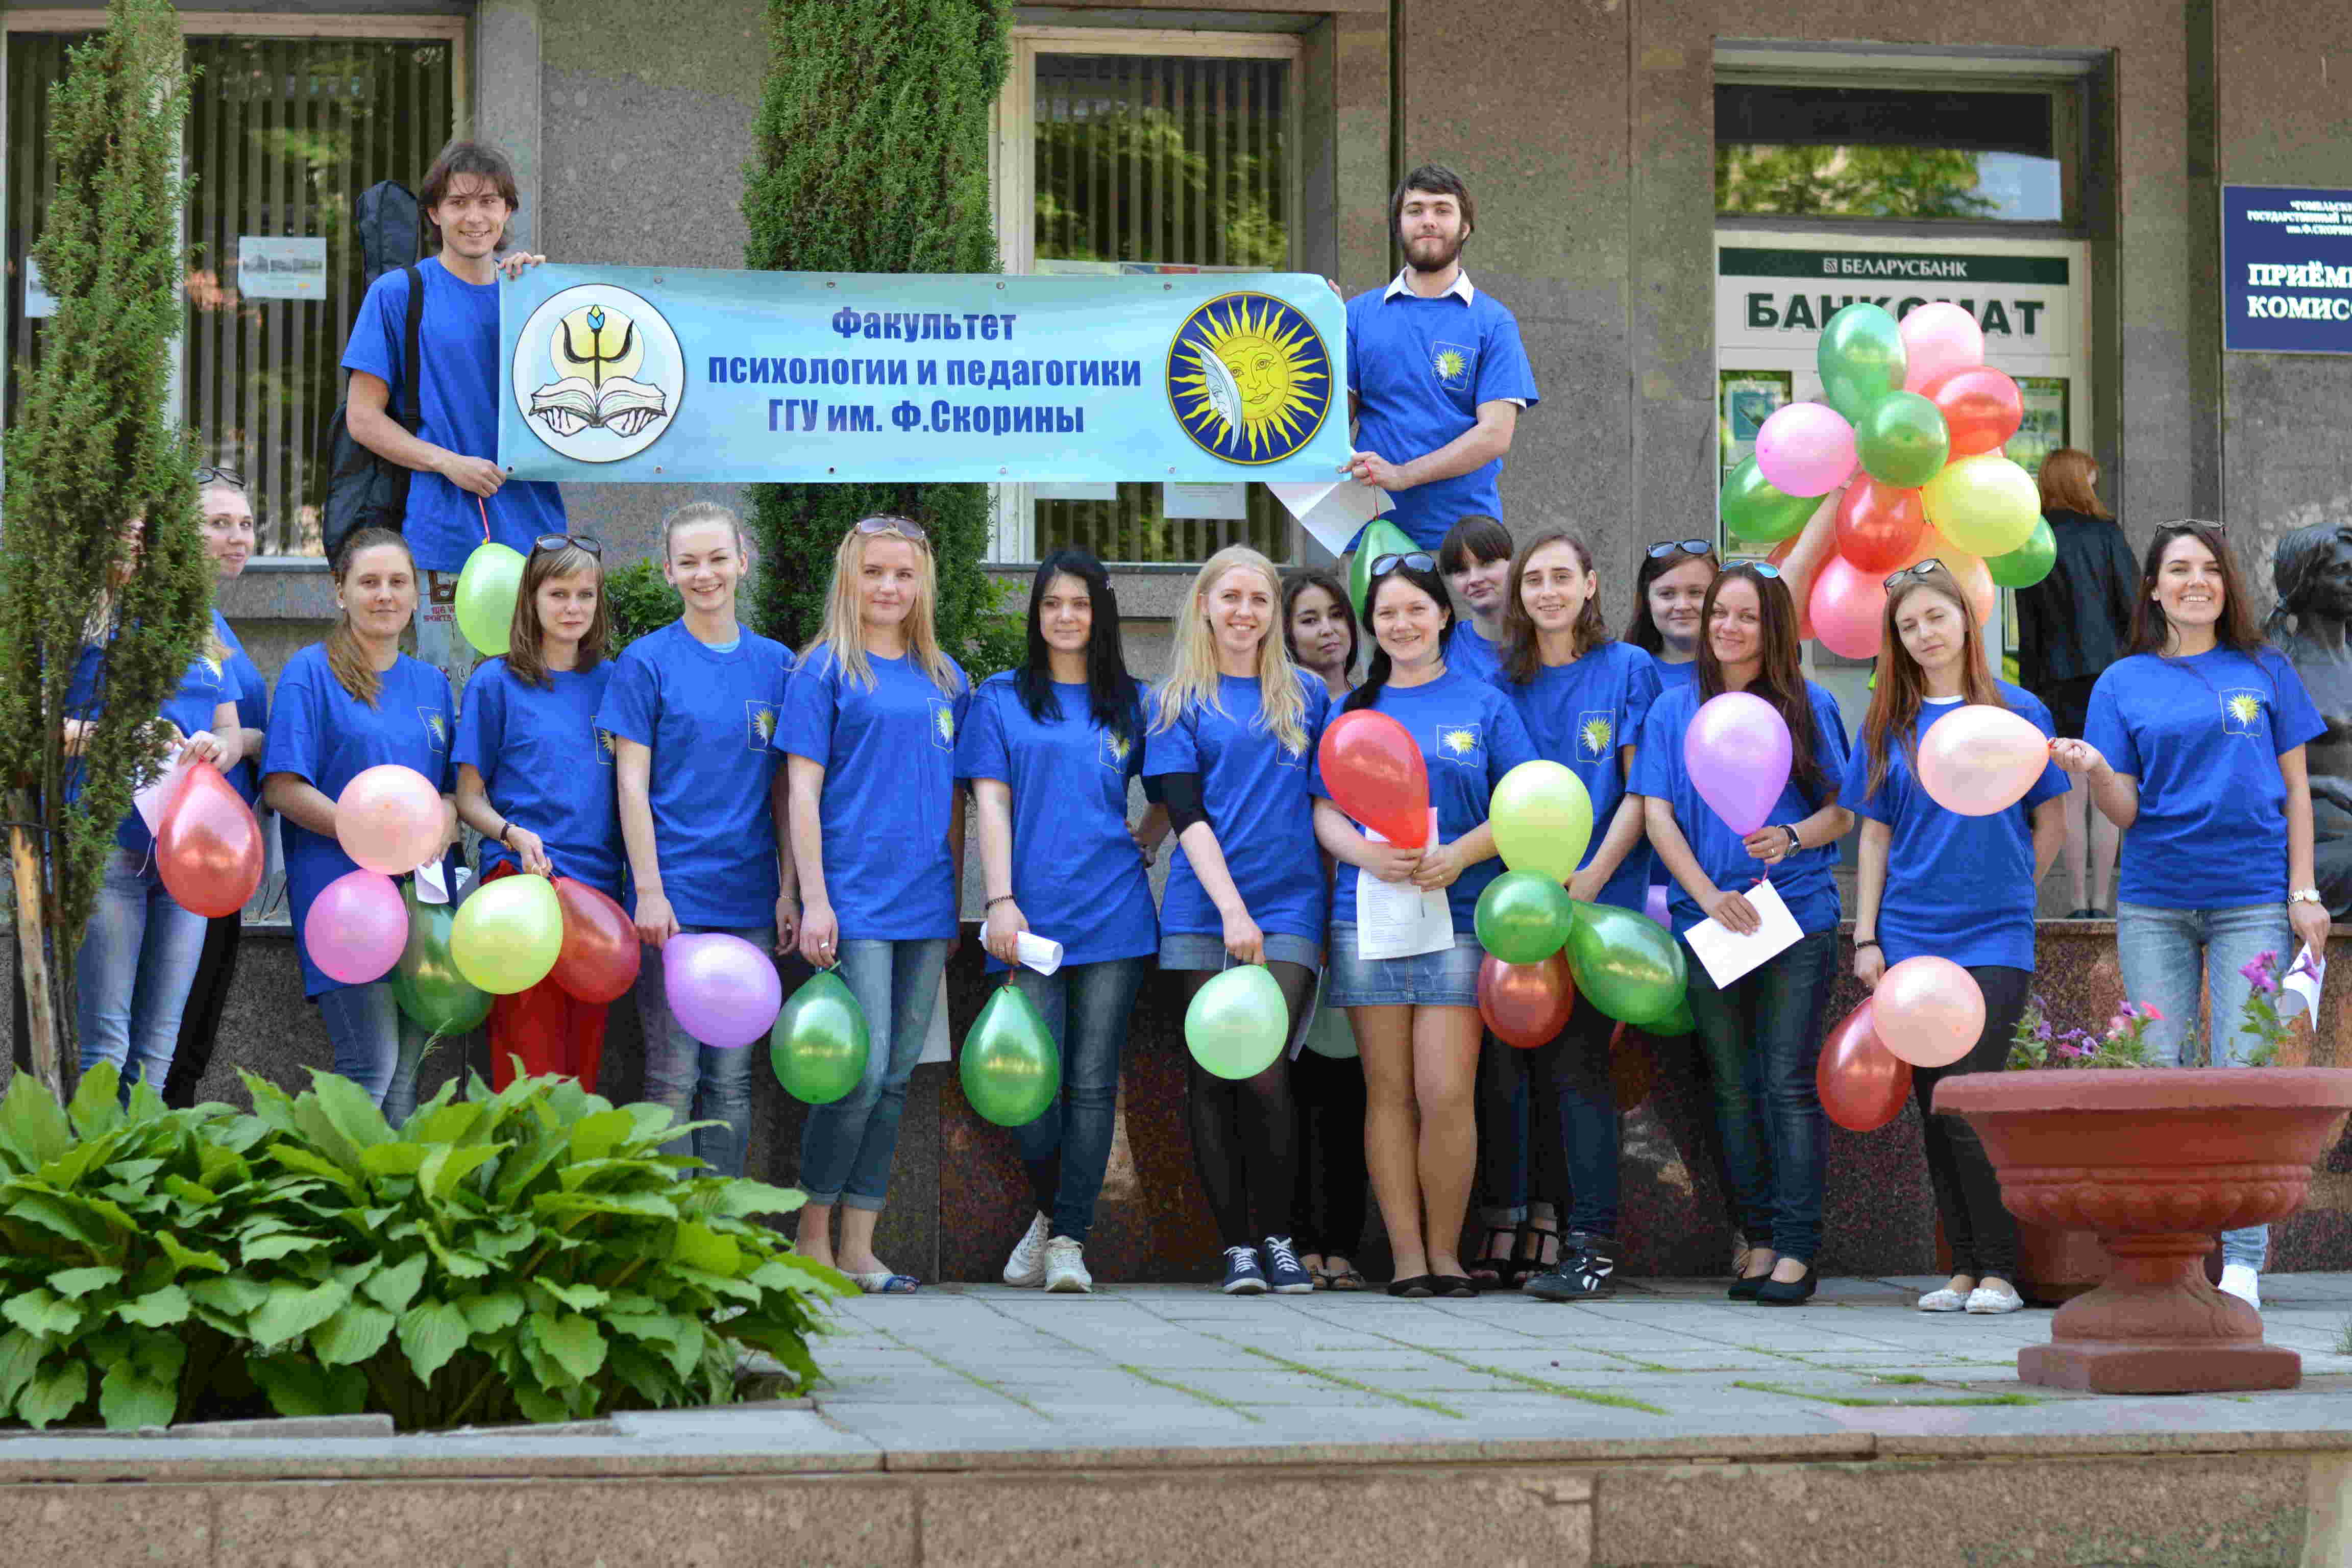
(1374, 768)
(389, 819)
(1878, 525)
(1863, 1084)
(1526, 1004)
(598, 961)
(208, 847)
(1981, 407)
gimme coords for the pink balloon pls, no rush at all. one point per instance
(722, 990)
(1978, 759)
(1930, 1011)
(1937, 340)
(1655, 906)
(1805, 450)
(1849, 609)
(389, 819)
(356, 928)
(1736, 751)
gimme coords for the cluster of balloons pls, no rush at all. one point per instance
(207, 845)
(1900, 462)
(1924, 1012)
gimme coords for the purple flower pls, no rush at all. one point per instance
(2260, 972)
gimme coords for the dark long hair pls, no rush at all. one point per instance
(2236, 630)
(1300, 579)
(1641, 631)
(1111, 694)
(1377, 677)
(1521, 657)
(1780, 679)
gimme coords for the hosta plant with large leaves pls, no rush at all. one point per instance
(526, 1254)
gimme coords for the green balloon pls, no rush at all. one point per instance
(1754, 511)
(1238, 1022)
(1862, 360)
(486, 597)
(1379, 539)
(1626, 964)
(1678, 1022)
(819, 1045)
(2030, 562)
(1524, 917)
(1901, 440)
(426, 983)
(1010, 1070)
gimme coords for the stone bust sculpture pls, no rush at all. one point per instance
(2311, 570)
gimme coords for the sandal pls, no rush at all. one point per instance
(1526, 1263)
(886, 1283)
(1348, 1279)
(1486, 1271)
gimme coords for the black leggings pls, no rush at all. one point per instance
(200, 1020)
(1330, 1209)
(1977, 1225)
(1246, 1132)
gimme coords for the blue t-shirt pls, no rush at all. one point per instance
(1076, 872)
(1469, 737)
(547, 767)
(1670, 676)
(1254, 791)
(1957, 887)
(1420, 369)
(458, 400)
(889, 758)
(707, 717)
(203, 686)
(1468, 652)
(2203, 736)
(1804, 880)
(1582, 715)
(252, 708)
(325, 735)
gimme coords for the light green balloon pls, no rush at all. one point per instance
(1379, 539)
(1757, 511)
(1628, 965)
(1862, 360)
(2030, 562)
(1010, 1068)
(425, 982)
(1524, 917)
(1901, 440)
(1238, 1023)
(486, 597)
(819, 1046)
(1330, 1035)
(1542, 812)
(507, 934)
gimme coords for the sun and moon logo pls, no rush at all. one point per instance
(2242, 711)
(597, 373)
(1450, 363)
(1459, 744)
(1249, 378)
(1115, 749)
(436, 726)
(942, 723)
(604, 748)
(1593, 732)
(759, 717)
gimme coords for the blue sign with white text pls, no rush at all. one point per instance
(2286, 270)
(667, 374)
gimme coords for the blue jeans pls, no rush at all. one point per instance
(1067, 1149)
(696, 1081)
(847, 1147)
(376, 1045)
(1763, 1042)
(131, 975)
(1572, 1071)
(2161, 951)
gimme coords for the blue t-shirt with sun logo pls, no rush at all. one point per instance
(1582, 715)
(888, 753)
(323, 735)
(1420, 369)
(203, 686)
(2203, 736)
(1075, 871)
(1469, 738)
(547, 767)
(1253, 792)
(707, 717)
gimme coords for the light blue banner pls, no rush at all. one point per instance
(667, 374)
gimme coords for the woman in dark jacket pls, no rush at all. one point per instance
(2070, 626)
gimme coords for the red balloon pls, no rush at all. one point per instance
(208, 847)
(1526, 1004)
(1879, 526)
(1374, 769)
(1863, 1084)
(599, 958)
(1981, 407)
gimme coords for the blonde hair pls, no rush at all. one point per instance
(1192, 666)
(843, 632)
(352, 668)
(695, 511)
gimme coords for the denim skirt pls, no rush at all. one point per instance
(1446, 978)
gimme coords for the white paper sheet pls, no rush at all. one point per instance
(1042, 953)
(432, 884)
(2303, 979)
(935, 1044)
(152, 800)
(1397, 919)
(1333, 513)
(1728, 955)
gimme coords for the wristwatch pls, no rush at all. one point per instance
(2303, 896)
(1795, 842)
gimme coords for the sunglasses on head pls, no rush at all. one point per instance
(1916, 569)
(1665, 547)
(2191, 524)
(905, 527)
(1420, 562)
(1761, 569)
(211, 475)
(554, 542)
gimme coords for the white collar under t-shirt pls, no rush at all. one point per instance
(1461, 286)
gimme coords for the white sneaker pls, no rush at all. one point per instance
(2244, 1283)
(1944, 1301)
(1984, 1301)
(1065, 1266)
(1026, 1266)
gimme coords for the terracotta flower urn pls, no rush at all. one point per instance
(2155, 1161)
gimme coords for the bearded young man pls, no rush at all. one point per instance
(1436, 376)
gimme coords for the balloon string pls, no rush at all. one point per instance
(485, 510)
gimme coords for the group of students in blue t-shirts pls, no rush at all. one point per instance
(811, 804)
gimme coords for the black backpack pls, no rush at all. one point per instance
(364, 491)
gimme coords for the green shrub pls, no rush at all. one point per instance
(527, 1254)
(640, 601)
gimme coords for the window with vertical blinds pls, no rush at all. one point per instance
(1171, 162)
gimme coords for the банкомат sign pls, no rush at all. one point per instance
(2286, 270)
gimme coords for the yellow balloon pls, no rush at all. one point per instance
(1542, 816)
(1984, 504)
(506, 934)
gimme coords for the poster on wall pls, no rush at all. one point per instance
(1744, 400)
(2286, 270)
(2043, 429)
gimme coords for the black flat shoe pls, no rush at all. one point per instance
(1748, 1284)
(1776, 1293)
(1415, 1287)
(1455, 1287)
